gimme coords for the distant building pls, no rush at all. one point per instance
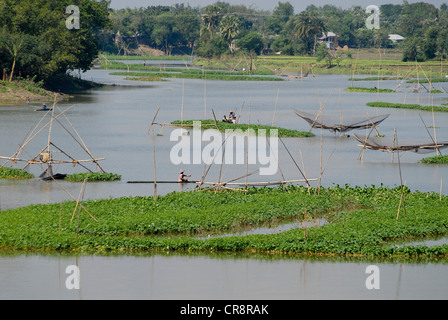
(330, 39)
(395, 38)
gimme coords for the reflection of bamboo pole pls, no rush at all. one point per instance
(182, 107)
(205, 95)
(275, 108)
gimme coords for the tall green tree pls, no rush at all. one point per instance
(229, 29)
(41, 30)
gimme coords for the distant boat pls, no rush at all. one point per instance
(342, 124)
(44, 109)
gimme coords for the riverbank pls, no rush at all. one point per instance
(56, 89)
(361, 221)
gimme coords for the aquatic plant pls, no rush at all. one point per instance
(16, 174)
(363, 221)
(360, 89)
(439, 159)
(406, 106)
(92, 176)
(222, 126)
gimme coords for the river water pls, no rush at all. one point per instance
(113, 122)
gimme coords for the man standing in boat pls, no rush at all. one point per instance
(183, 177)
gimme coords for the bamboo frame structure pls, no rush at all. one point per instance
(44, 157)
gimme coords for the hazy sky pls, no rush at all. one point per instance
(298, 5)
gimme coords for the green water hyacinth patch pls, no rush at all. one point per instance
(92, 177)
(223, 126)
(362, 222)
(440, 159)
(406, 106)
(14, 174)
(360, 89)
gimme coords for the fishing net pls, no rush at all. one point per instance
(339, 123)
(391, 145)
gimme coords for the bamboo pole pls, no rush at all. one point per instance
(301, 172)
(81, 142)
(248, 132)
(79, 199)
(153, 120)
(401, 182)
(29, 139)
(155, 172)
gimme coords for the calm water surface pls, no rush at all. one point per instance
(114, 122)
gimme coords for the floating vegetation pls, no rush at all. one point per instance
(360, 89)
(374, 78)
(406, 106)
(146, 79)
(198, 74)
(428, 81)
(14, 174)
(222, 126)
(93, 177)
(362, 221)
(439, 159)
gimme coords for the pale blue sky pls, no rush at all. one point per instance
(298, 5)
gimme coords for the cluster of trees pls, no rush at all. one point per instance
(36, 43)
(223, 28)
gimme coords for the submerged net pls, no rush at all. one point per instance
(341, 124)
(390, 145)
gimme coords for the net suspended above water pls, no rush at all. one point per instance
(391, 145)
(339, 123)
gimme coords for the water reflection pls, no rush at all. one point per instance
(223, 277)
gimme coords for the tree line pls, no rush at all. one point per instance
(35, 41)
(221, 28)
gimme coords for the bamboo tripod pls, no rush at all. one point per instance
(45, 156)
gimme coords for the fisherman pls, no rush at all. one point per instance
(44, 107)
(182, 176)
(232, 116)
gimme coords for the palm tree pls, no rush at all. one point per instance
(210, 19)
(307, 25)
(229, 29)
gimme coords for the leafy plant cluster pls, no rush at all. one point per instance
(363, 221)
(223, 126)
(361, 89)
(14, 174)
(34, 39)
(439, 159)
(406, 106)
(92, 177)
